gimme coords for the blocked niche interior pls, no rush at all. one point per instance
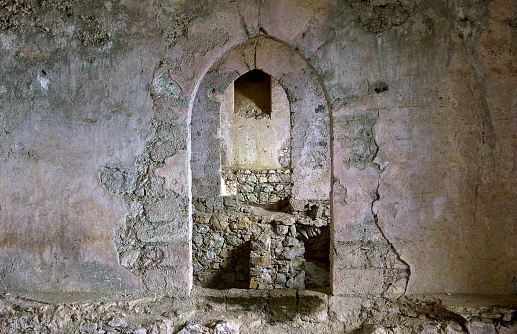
(255, 234)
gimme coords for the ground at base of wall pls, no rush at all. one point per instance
(243, 311)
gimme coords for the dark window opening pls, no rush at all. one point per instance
(252, 97)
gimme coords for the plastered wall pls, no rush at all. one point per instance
(95, 137)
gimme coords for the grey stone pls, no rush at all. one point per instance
(478, 327)
(164, 86)
(315, 276)
(297, 281)
(374, 329)
(281, 279)
(290, 241)
(507, 329)
(197, 240)
(194, 329)
(224, 327)
(263, 197)
(345, 309)
(293, 253)
(281, 229)
(208, 257)
(118, 181)
(268, 189)
(454, 328)
(128, 259)
(234, 240)
(116, 322)
(246, 188)
(251, 179)
(312, 306)
(273, 198)
(214, 240)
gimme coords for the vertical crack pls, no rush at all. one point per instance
(375, 198)
(469, 29)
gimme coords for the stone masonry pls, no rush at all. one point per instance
(237, 245)
(259, 186)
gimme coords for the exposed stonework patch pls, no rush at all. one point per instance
(356, 137)
(230, 248)
(260, 186)
(383, 15)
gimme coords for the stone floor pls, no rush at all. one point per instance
(253, 311)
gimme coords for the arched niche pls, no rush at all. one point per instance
(309, 118)
(232, 245)
(255, 133)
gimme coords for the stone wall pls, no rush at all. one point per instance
(259, 186)
(109, 120)
(242, 246)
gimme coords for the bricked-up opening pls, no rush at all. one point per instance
(252, 95)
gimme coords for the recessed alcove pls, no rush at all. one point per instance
(255, 137)
(260, 172)
(255, 123)
(252, 95)
(253, 233)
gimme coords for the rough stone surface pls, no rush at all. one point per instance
(242, 246)
(234, 312)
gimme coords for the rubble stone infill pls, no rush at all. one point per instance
(259, 186)
(248, 311)
(227, 252)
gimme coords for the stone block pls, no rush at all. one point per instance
(349, 215)
(246, 300)
(367, 282)
(349, 256)
(176, 254)
(345, 309)
(176, 173)
(261, 261)
(312, 306)
(282, 305)
(430, 329)
(164, 209)
(173, 280)
(396, 290)
(478, 327)
(168, 232)
(454, 328)
(510, 329)
(213, 300)
(374, 329)
(292, 253)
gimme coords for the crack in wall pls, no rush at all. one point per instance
(376, 197)
(470, 28)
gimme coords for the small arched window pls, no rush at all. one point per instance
(252, 95)
(255, 125)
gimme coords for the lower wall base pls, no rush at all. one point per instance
(254, 311)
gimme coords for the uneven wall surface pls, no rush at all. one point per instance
(96, 101)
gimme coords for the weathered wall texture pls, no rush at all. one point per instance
(96, 104)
